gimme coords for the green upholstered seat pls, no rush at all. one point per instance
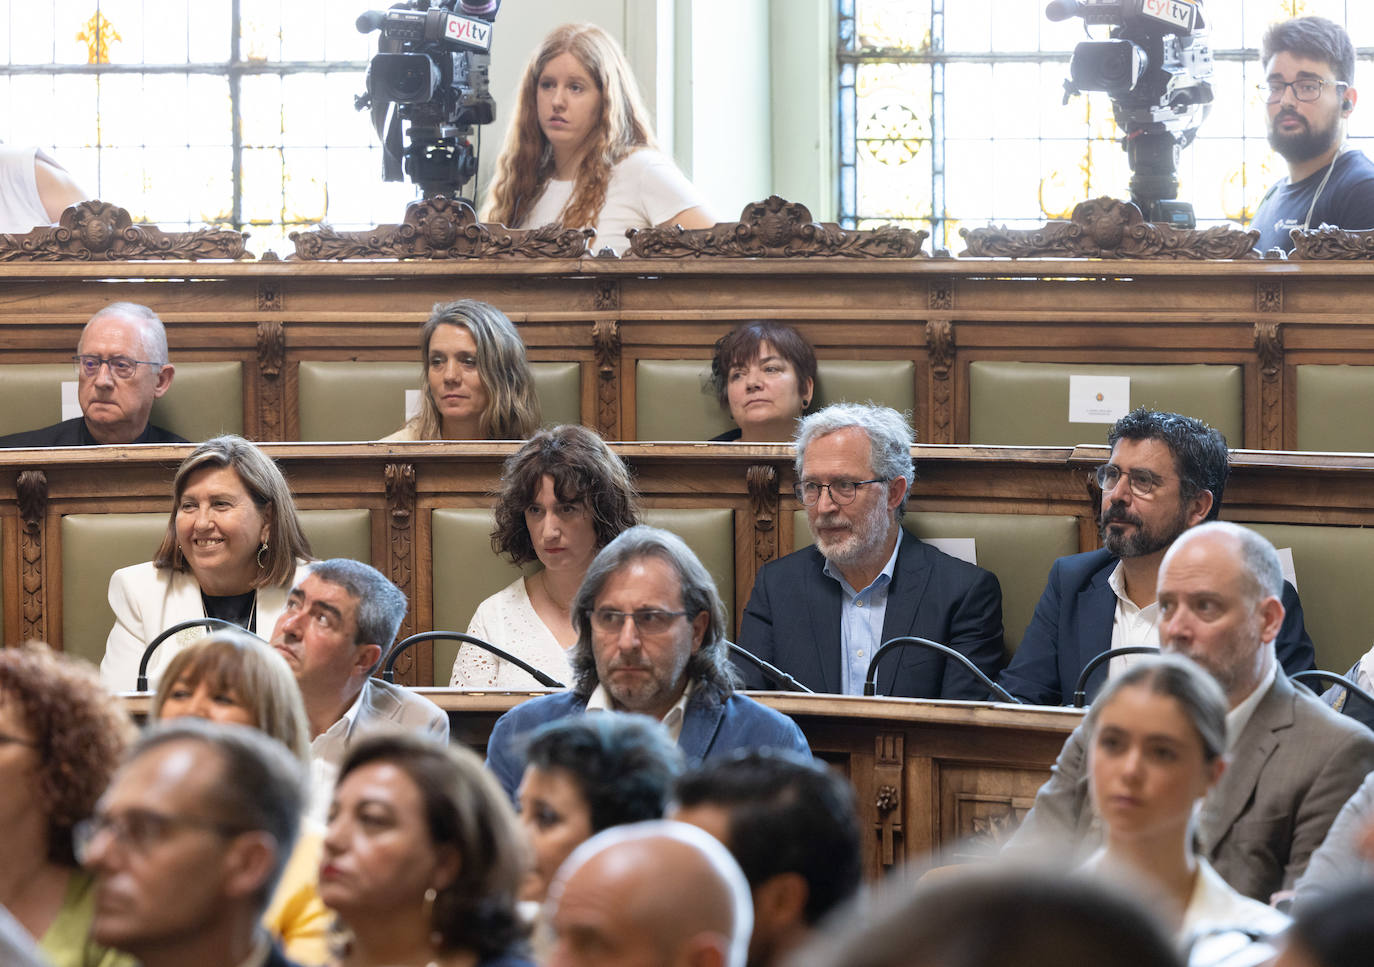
(1018, 548)
(1333, 406)
(1332, 567)
(674, 399)
(205, 399)
(1027, 404)
(367, 400)
(94, 546)
(466, 570)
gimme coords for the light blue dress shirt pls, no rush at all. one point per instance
(861, 622)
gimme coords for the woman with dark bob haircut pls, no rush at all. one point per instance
(231, 549)
(62, 736)
(563, 496)
(422, 859)
(764, 373)
(586, 774)
(475, 382)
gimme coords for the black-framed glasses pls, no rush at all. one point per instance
(141, 829)
(649, 621)
(1141, 481)
(1304, 89)
(841, 491)
(123, 367)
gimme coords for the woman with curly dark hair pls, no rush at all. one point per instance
(563, 496)
(422, 859)
(61, 737)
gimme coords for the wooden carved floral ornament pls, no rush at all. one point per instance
(96, 231)
(442, 228)
(776, 228)
(1106, 228)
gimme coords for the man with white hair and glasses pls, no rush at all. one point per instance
(820, 613)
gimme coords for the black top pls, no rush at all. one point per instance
(729, 436)
(74, 433)
(239, 609)
(1346, 202)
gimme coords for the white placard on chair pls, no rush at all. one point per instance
(1098, 399)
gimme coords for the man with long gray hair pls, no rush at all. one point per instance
(821, 612)
(650, 639)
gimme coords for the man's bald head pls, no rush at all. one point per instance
(657, 893)
(1220, 603)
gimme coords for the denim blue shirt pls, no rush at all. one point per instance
(861, 622)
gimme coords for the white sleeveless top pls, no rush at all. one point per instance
(21, 208)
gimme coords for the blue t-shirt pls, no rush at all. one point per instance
(1346, 202)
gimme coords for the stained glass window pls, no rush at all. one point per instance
(193, 113)
(951, 114)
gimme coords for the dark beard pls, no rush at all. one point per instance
(1142, 541)
(1306, 144)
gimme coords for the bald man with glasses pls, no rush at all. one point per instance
(1308, 87)
(820, 614)
(121, 369)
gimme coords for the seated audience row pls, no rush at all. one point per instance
(475, 380)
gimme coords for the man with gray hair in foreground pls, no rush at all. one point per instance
(340, 621)
(650, 639)
(820, 613)
(121, 369)
(1292, 761)
(650, 894)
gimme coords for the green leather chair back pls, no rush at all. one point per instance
(94, 546)
(674, 399)
(1333, 406)
(367, 400)
(466, 570)
(1332, 566)
(1018, 548)
(1027, 404)
(205, 399)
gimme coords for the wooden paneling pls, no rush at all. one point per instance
(1266, 316)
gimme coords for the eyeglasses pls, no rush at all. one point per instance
(1142, 481)
(140, 829)
(841, 491)
(649, 621)
(1304, 89)
(122, 367)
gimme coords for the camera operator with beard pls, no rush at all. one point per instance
(1166, 474)
(1309, 65)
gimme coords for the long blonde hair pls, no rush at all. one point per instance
(526, 161)
(512, 411)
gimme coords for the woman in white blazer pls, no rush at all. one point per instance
(231, 550)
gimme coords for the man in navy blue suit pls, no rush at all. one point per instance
(650, 639)
(820, 613)
(1166, 474)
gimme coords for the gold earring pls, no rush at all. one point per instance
(261, 551)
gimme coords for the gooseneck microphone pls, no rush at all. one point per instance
(911, 641)
(1080, 690)
(212, 623)
(388, 670)
(788, 683)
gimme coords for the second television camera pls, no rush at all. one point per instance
(1157, 69)
(430, 72)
